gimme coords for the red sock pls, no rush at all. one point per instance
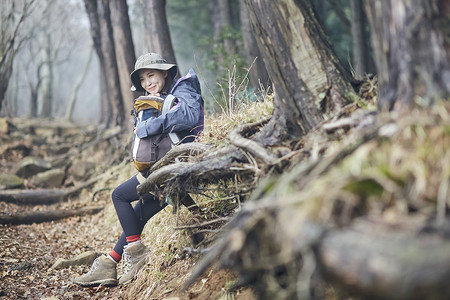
(115, 255)
(133, 238)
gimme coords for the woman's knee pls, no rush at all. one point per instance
(125, 192)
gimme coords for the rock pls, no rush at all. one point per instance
(80, 169)
(30, 166)
(6, 127)
(49, 179)
(9, 181)
(86, 258)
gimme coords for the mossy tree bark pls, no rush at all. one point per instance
(412, 50)
(311, 84)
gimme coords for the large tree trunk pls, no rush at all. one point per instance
(125, 54)
(111, 68)
(157, 29)
(258, 73)
(402, 34)
(91, 10)
(102, 35)
(310, 82)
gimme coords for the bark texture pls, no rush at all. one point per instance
(125, 54)
(112, 107)
(157, 31)
(403, 33)
(309, 81)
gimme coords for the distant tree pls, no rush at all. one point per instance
(359, 46)
(34, 77)
(124, 45)
(258, 73)
(411, 46)
(157, 31)
(112, 109)
(47, 80)
(222, 23)
(73, 95)
(12, 16)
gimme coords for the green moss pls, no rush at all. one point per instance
(364, 187)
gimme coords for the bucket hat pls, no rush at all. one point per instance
(151, 61)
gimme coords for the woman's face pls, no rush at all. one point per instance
(153, 81)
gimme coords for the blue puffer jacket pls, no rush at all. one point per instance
(186, 118)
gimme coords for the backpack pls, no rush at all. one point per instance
(148, 150)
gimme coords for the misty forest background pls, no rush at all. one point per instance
(345, 176)
(56, 47)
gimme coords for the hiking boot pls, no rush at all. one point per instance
(134, 257)
(103, 271)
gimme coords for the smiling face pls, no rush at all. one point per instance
(153, 81)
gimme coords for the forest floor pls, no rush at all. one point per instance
(27, 252)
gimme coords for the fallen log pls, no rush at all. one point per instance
(49, 196)
(40, 196)
(46, 216)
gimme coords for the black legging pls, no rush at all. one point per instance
(129, 217)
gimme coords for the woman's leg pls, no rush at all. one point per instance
(132, 219)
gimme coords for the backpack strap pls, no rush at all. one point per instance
(167, 105)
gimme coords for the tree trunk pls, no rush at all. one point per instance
(125, 54)
(310, 83)
(102, 35)
(221, 20)
(111, 68)
(360, 51)
(402, 34)
(91, 10)
(76, 88)
(258, 72)
(157, 29)
(12, 17)
(47, 93)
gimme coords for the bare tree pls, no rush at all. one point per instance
(12, 14)
(76, 88)
(157, 29)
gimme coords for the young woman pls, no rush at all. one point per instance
(154, 76)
